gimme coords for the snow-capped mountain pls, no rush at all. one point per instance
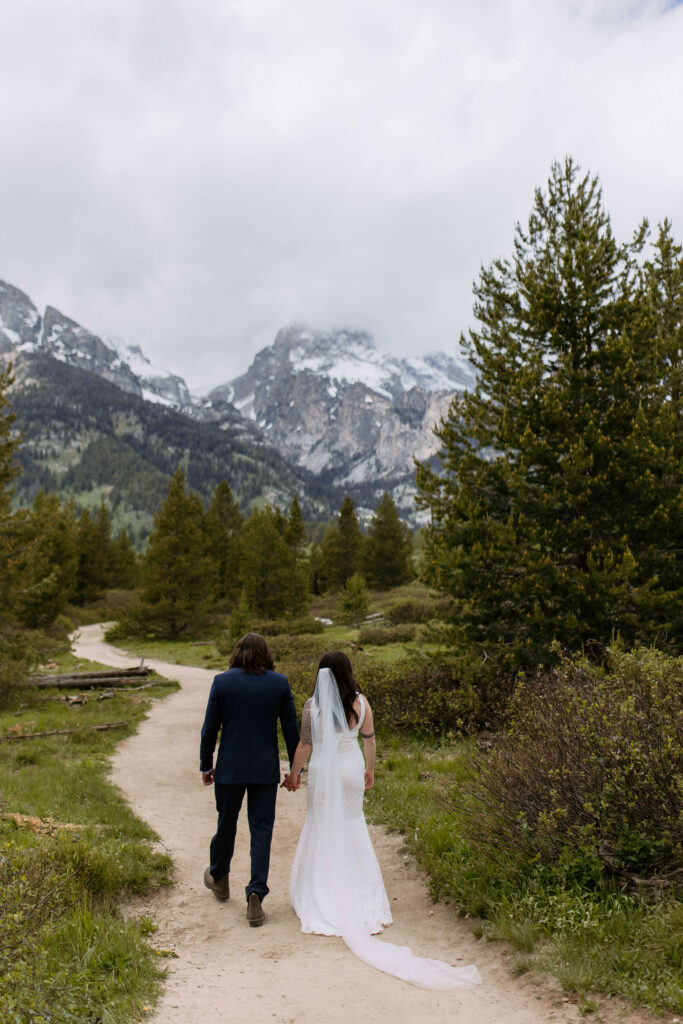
(344, 358)
(20, 321)
(328, 401)
(335, 405)
(22, 329)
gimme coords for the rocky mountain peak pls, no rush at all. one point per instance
(329, 401)
(66, 340)
(337, 406)
(22, 329)
(20, 321)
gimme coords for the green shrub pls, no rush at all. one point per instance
(292, 627)
(413, 610)
(298, 657)
(377, 636)
(588, 775)
(418, 694)
(412, 694)
(111, 605)
(622, 943)
(273, 630)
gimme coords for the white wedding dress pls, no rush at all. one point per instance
(336, 883)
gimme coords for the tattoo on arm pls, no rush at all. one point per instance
(368, 735)
(306, 732)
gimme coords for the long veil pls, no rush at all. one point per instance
(329, 727)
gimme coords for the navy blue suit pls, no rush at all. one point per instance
(246, 709)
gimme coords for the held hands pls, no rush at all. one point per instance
(291, 782)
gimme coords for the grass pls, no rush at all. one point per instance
(205, 654)
(65, 953)
(609, 942)
(176, 652)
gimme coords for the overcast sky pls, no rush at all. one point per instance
(192, 175)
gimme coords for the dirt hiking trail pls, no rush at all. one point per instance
(228, 973)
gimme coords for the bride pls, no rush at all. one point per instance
(336, 883)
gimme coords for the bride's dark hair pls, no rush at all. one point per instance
(340, 667)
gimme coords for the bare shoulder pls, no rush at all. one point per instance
(358, 707)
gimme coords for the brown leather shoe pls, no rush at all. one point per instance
(255, 915)
(220, 888)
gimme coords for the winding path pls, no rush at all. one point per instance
(225, 971)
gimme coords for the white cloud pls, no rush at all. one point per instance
(193, 175)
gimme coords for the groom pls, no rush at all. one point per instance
(245, 703)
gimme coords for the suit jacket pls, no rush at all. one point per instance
(246, 709)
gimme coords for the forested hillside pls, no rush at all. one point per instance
(87, 439)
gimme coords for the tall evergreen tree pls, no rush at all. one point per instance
(388, 547)
(558, 500)
(50, 561)
(658, 531)
(329, 560)
(341, 548)
(14, 652)
(272, 585)
(315, 570)
(350, 539)
(295, 533)
(223, 526)
(94, 546)
(355, 600)
(175, 574)
(125, 567)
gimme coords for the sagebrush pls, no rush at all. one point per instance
(590, 769)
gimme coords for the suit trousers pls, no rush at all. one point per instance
(261, 799)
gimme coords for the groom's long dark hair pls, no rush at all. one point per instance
(252, 655)
(342, 671)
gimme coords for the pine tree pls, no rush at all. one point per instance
(388, 547)
(350, 539)
(14, 651)
(223, 526)
(315, 570)
(341, 548)
(271, 582)
(330, 572)
(240, 620)
(556, 478)
(49, 562)
(125, 568)
(295, 533)
(658, 530)
(95, 555)
(175, 572)
(355, 600)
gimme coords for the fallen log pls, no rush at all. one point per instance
(64, 732)
(45, 826)
(133, 670)
(91, 680)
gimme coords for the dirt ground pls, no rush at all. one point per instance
(223, 971)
